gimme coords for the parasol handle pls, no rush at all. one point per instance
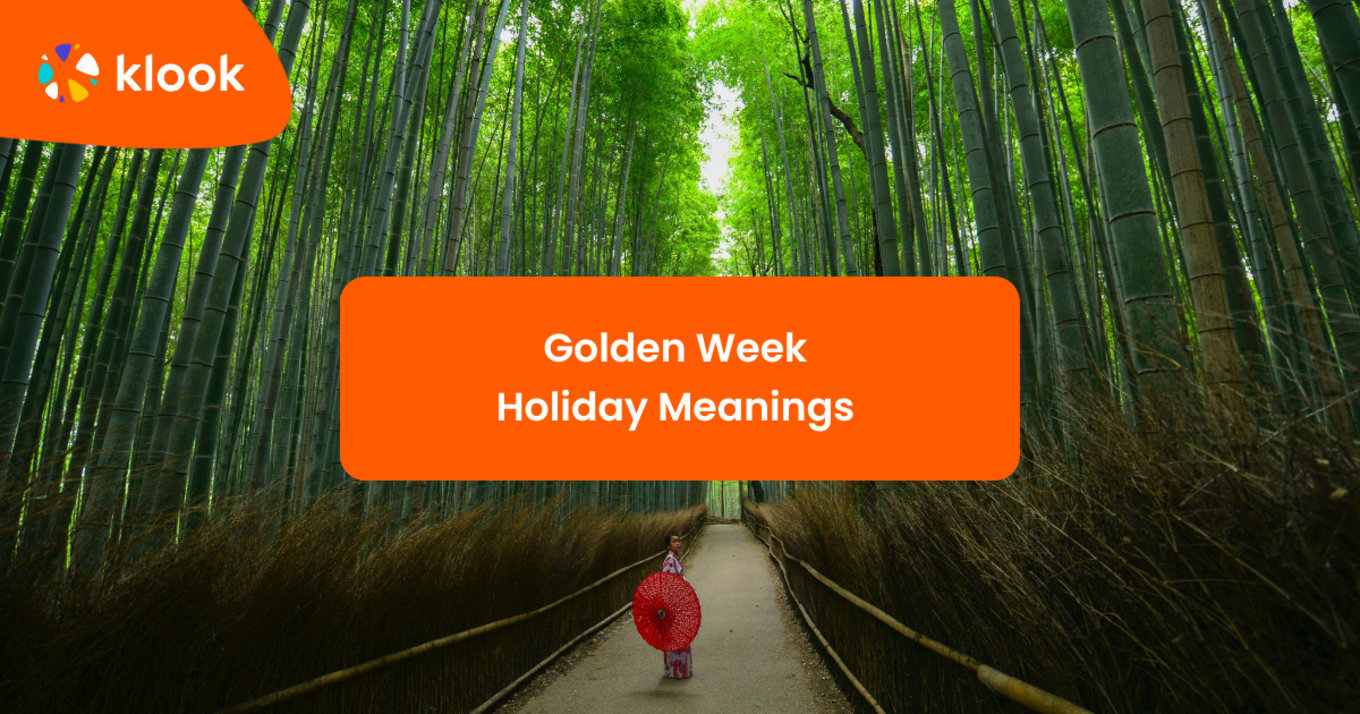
(660, 614)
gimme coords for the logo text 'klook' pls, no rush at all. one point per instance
(170, 77)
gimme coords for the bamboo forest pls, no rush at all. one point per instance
(1170, 186)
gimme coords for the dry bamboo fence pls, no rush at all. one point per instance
(1016, 690)
(287, 694)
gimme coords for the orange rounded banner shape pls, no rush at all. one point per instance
(148, 74)
(606, 378)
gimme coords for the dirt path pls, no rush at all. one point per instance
(750, 655)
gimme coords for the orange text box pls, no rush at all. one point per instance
(607, 378)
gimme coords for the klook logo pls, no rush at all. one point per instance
(152, 74)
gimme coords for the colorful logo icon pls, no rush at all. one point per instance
(66, 76)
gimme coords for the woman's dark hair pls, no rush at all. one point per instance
(669, 536)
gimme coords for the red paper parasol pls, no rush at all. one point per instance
(666, 611)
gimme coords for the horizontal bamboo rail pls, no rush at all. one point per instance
(341, 675)
(807, 618)
(1016, 690)
(487, 705)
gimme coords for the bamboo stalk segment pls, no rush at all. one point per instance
(1025, 694)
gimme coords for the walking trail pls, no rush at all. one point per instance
(750, 655)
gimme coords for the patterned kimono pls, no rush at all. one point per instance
(678, 664)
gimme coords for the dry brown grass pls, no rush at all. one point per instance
(240, 610)
(1191, 566)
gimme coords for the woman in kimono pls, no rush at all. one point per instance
(678, 664)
